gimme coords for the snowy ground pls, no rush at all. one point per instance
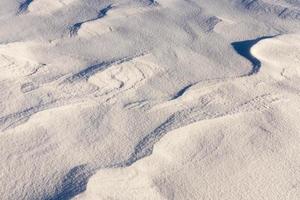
(145, 99)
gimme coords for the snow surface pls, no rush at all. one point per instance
(150, 99)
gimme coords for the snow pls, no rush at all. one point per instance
(142, 99)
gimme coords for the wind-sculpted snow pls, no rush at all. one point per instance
(164, 99)
(74, 28)
(73, 183)
(42, 6)
(244, 49)
(280, 8)
(24, 6)
(181, 132)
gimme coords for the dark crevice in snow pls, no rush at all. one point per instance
(73, 183)
(75, 27)
(182, 91)
(24, 6)
(243, 48)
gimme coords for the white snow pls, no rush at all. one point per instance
(142, 99)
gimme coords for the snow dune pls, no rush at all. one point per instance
(215, 157)
(143, 99)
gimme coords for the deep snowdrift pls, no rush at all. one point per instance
(143, 99)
